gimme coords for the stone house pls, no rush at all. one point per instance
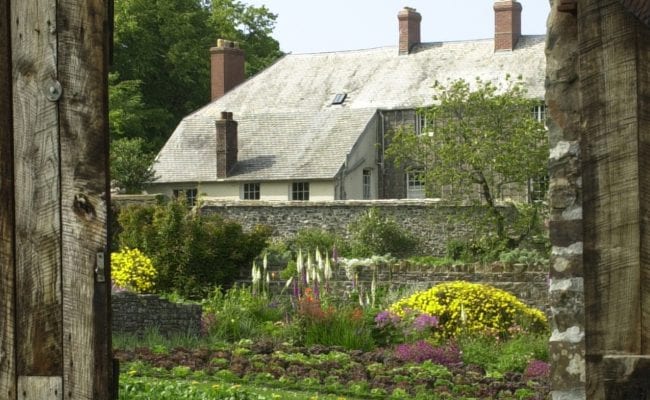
(315, 126)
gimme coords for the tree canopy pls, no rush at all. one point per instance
(477, 140)
(161, 60)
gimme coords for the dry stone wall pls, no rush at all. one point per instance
(430, 220)
(136, 313)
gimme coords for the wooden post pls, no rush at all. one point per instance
(54, 198)
(614, 70)
(7, 304)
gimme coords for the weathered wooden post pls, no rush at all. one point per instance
(599, 103)
(55, 283)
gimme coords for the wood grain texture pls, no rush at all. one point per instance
(7, 345)
(83, 49)
(37, 207)
(615, 148)
(40, 388)
(643, 43)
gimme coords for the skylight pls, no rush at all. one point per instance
(339, 98)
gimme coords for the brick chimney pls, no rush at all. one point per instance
(409, 29)
(226, 144)
(226, 67)
(507, 24)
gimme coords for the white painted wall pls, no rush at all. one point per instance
(362, 156)
(269, 191)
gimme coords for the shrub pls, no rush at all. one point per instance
(373, 234)
(192, 253)
(237, 314)
(522, 256)
(132, 270)
(499, 356)
(470, 308)
(310, 239)
(537, 369)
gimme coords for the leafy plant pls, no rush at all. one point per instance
(470, 308)
(373, 234)
(523, 256)
(192, 253)
(132, 270)
(502, 356)
(312, 239)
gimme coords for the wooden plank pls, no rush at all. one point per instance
(83, 71)
(40, 388)
(610, 178)
(7, 345)
(37, 207)
(615, 148)
(643, 51)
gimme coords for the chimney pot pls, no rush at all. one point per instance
(409, 29)
(226, 67)
(507, 24)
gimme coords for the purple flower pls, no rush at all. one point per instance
(385, 318)
(448, 355)
(424, 321)
(537, 369)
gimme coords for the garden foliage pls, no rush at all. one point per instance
(374, 234)
(191, 253)
(132, 270)
(465, 308)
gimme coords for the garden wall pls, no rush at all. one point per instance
(430, 220)
(135, 313)
(530, 286)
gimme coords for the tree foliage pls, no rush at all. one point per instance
(131, 164)
(479, 140)
(161, 65)
(192, 254)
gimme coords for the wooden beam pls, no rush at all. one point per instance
(615, 148)
(83, 31)
(7, 303)
(37, 193)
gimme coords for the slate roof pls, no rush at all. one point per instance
(288, 128)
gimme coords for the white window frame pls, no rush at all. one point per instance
(415, 187)
(539, 113)
(250, 188)
(191, 195)
(299, 191)
(367, 183)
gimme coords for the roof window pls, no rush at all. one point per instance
(339, 98)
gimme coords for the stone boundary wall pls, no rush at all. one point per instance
(530, 286)
(136, 313)
(429, 220)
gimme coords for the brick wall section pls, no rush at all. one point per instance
(409, 29)
(507, 24)
(566, 295)
(134, 314)
(427, 219)
(227, 68)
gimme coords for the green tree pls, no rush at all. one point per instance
(484, 137)
(161, 59)
(192, 254)
(131, 164)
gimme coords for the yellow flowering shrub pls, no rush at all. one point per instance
(470, 308)
(132, 270)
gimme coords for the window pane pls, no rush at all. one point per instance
(300, 191)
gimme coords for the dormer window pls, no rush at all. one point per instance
(339, 98)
